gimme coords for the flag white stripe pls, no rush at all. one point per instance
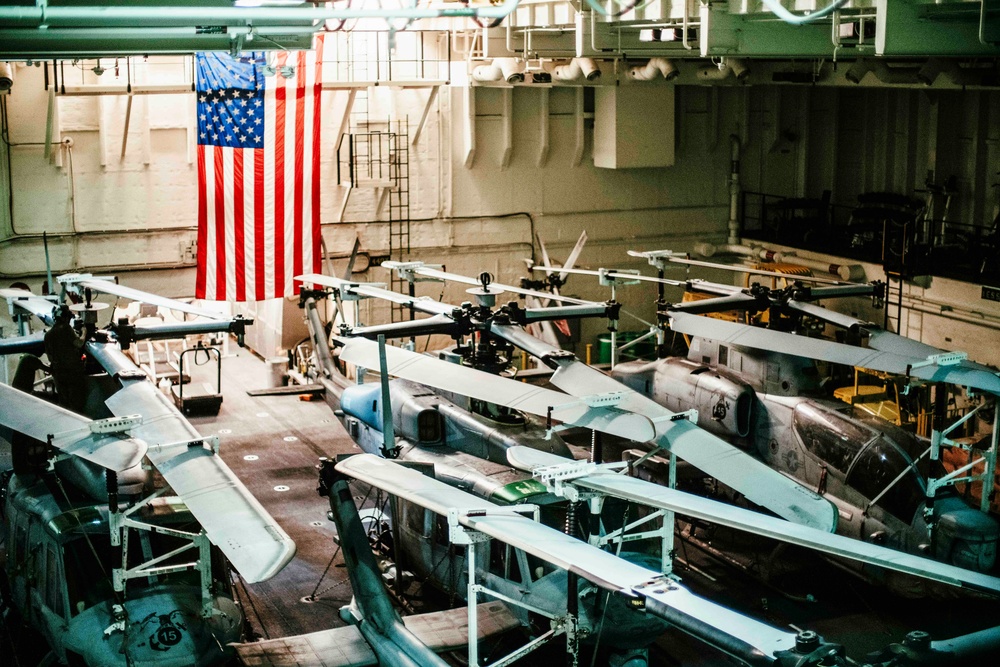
(290, 141)
(269, 170)
(307, 175)
(211, 261)
(229, 189)
(249, 241)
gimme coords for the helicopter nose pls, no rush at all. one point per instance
(965, 537)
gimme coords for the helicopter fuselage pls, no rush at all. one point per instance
(865, 467)
(59, 571)
(468, 450)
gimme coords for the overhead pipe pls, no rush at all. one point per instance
(654, 67)
(952, 72)
(129, 16)
(714, 73)
(510, 70)
(886, 74)
(734, 191)
(577, 67)
(736, 66)
(155, 32)
(6, 76)
(486, 74)
(844, 271)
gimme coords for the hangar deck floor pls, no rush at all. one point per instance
(273, 443)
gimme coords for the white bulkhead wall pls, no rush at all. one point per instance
(106, 213)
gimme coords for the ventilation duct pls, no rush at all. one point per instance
(6, 76)
(586, 67)
(858, 69)
(736, 67)
(510, 70)
(653, 68)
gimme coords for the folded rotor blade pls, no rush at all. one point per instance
(349, 269)
(720, 304)
(565, 312)
(824, 314)
(695, 284)
(543, 328)
(655, 495)
(574, 254)
(423, 304)
(886, 341)
(614, 274)
(454, 277)
(180, 329)
(708, 621)
(545, 253)
(437, 324)
(522, 339)
(234, 520)
(501, 391)
(108, 287)
(817, 293)
(966, 373)
(38, 306)
(31, 344)
(70, 432)
(734, 468)
(338, 307)
(719, 459)
(735, 268)
(338, 304)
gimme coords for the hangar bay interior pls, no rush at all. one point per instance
(449, 332)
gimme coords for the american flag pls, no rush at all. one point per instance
(258, 173)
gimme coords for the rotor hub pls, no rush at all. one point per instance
(485, 297)
(88, 311)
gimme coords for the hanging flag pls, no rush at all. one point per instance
(258, 173)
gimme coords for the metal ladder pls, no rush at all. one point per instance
(399, 209)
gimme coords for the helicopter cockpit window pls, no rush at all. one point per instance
(88, 581)
(830, 436)
(53, 583)
(501, 558)
(20, 543)
(538, 568)
(876, 468)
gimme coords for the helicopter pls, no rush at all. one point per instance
(466, 435)
(768, 401)
(376, 635)
(382, 637)
(423, 543)
(123, 522)
(562, 585)
(501, 329)
(421, 552)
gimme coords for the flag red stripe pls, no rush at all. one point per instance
(314, 227)
(220, 229)
(258, 222)
(199, 289)
(279, 190)
(300, 121)
(241, 270)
